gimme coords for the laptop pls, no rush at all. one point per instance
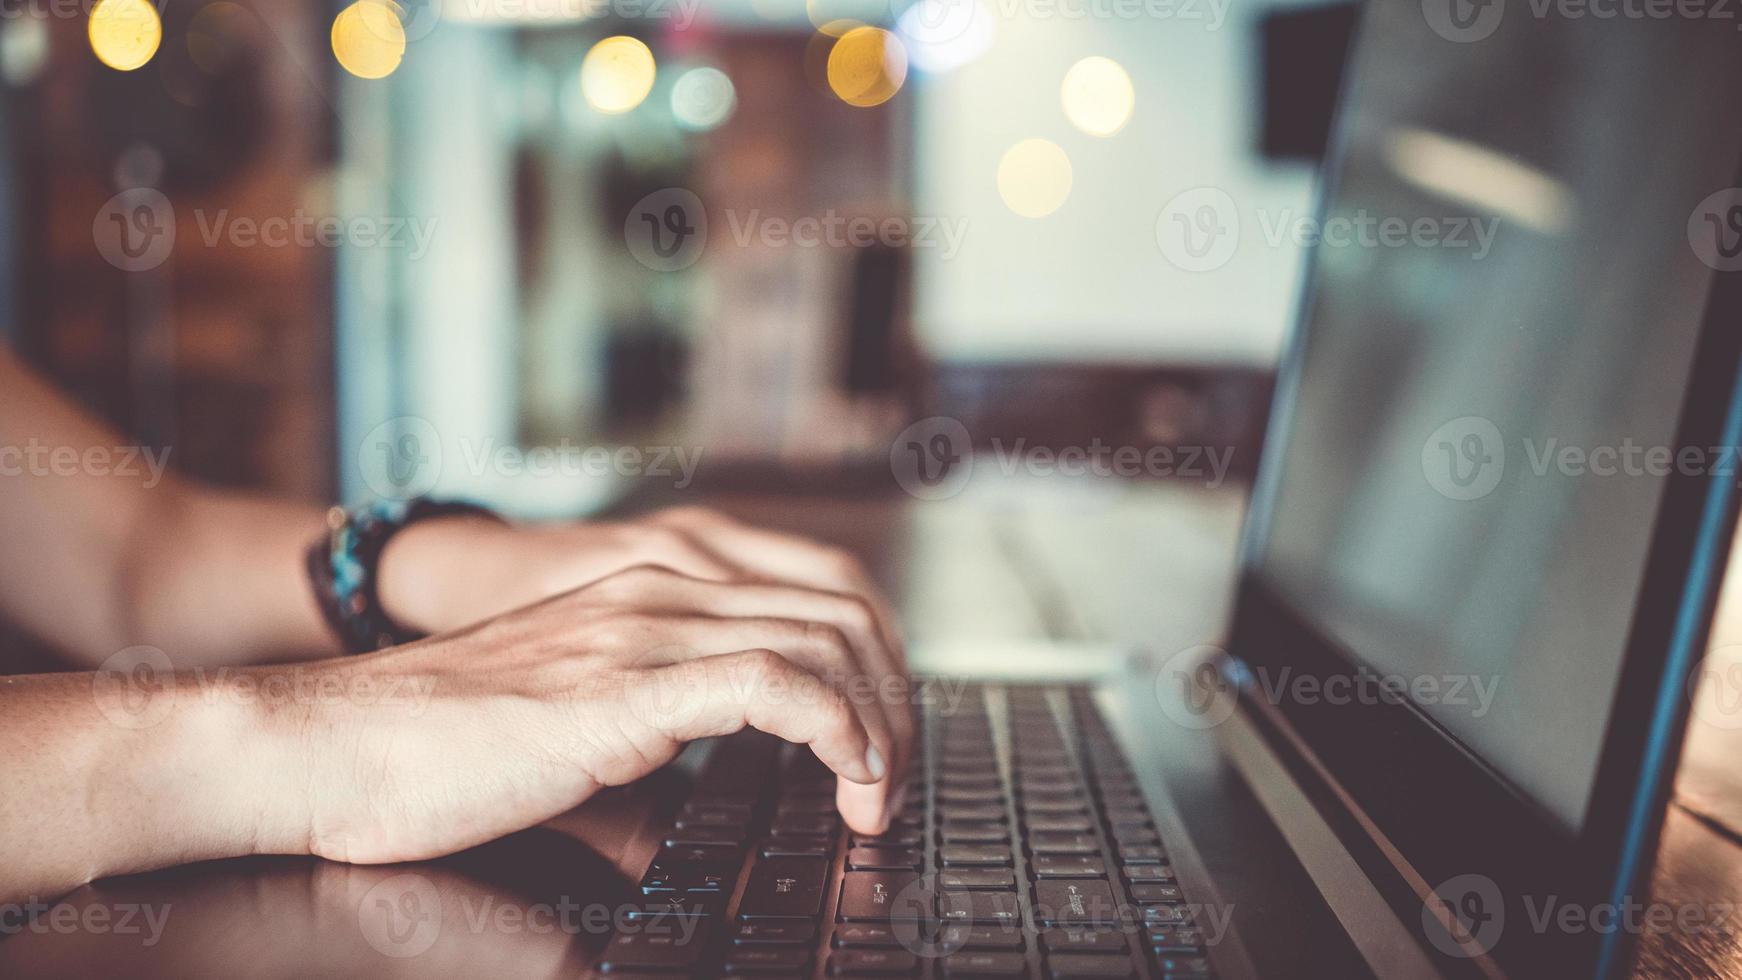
(1477, 573)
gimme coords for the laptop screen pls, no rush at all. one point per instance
(1508, 285)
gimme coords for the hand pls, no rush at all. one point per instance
(444, 574)
(525, 716)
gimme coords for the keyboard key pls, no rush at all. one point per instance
(1169, 939)
(978, 879)
(683, 906)
(1041, 843)
(713, 857)
(811, 847)
(866, 934)
(704, 836)
(771, 960)
(1142, 854)
(973, 855)
(1060, 823)
(1128, 836)
(1159, 893)
(1166, 915)
(975, 833)
(1087, 966)
(1068, 866)
(872, 962)
(984, 964)
(981, 937)
(1148, 892)
(775, 932)
(804, 825)
(1068, 902)
(1059, 804)
(1183, 966)
(978, 812)
(893, 837)
(1147, 873)
(644, 951)
(785, 888)
(980, 908)
(971, 795)
(1084, 941)
(872, 896)
(884, 858)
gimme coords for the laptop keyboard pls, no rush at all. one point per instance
(1025, 850)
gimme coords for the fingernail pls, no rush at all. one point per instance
(874, 762)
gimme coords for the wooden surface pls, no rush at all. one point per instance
(1149, 566)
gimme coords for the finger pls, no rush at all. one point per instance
(819, 647)
(788, 558)
(766, 691)
(879, 683)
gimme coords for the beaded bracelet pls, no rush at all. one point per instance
(344, 568)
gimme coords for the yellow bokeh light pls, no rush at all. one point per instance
(1034, 178)
(368, 39)
(617, 74)
(1098, 96)
(125, 33)
(867, 66)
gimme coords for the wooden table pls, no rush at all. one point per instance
(1149, 565)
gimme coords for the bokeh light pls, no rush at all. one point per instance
(702, 99)
(867, 66)
(368, 39)
(1034, 178)
(942, 35)
(1098, 96)
(23, 48)
(836, 18)
(125, 33)
(617, 74)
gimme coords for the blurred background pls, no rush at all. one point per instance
(335, 250)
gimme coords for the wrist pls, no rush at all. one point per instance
(430, 572)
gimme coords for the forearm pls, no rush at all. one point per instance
(221, 579)
(107, 774)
